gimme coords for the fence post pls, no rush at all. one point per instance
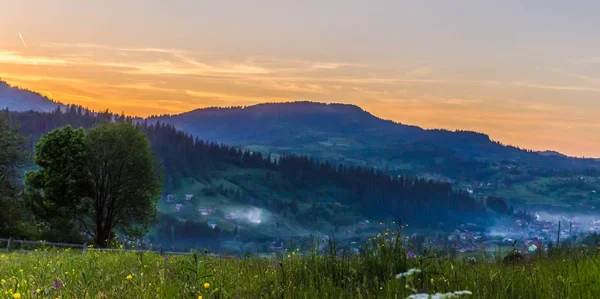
(84, 249)
(9, 243)
(558, 235)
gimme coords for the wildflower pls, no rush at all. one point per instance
(3, 281)
(121, 246)
(408, 273)
(380, 222)
(57, 284)
(199, 297)
(289, 256)
(206, 285)
(411, 255)
(17, 295)
(129, 277)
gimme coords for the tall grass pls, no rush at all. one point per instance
(299, 273)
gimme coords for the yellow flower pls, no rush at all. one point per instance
(289, 256)
(129, 277)
(121, 246)
(3, 281)
(380, 222)
(206, 285)
(199, 297)
(38, 291)
(293, 252)
(17, 295)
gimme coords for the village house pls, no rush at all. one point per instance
(205, 211)
(170, 198)
(276, 246)
(231, 216)
(188, 197)
(212, 224)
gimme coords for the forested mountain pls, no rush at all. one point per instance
(298, 194)
(16, 99)
(357, 134)
(347, 134)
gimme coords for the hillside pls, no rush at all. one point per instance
(347, 134)
(257, 199)
(16, 99)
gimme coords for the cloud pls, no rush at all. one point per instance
(16, 57)
(542, 107)
(461, 102)
(419, 72)
(587, 60)
(555, 87)
(334, 65)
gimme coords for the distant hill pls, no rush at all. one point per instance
(347, 132)
(17, 99)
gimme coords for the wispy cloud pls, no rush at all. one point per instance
(555, 87)
(16, 57)
(542, 107)
(461, 102)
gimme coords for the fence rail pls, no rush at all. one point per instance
(11, 243)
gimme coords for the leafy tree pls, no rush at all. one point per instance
(125, 179)
(100, 182)
(57, 191)
(12, 155)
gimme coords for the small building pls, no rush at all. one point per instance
(178, 207)
(212, 224)
(170, 198)
(231, 216)
(188, 197)
(276, 246)
(205, 211)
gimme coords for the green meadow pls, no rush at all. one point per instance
(385, 268)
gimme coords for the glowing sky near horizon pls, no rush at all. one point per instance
(525, 72)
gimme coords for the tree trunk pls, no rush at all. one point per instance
(103, 237)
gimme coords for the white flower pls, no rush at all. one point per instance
(408, 273)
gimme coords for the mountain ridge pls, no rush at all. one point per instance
(17, 99)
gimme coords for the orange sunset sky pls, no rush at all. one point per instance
(525, 72)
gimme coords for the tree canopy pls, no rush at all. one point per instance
(98, 183)
(12, 154)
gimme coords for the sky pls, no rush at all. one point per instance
(525, 72)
